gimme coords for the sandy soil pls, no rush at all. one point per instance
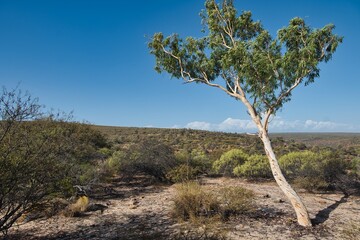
(142, 210)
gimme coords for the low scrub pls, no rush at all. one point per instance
(236, 200)
(313, 170)
(355, 167)
(148, 157)
(182, 173)
(193, 202)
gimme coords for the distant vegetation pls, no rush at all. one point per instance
(315, 165)
(43, 156)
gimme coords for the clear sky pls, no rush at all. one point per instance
(91, 57)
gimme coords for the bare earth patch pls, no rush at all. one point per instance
(142, 210)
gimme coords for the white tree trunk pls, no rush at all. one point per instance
(299, 207)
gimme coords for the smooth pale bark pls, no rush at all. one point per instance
(300, 209)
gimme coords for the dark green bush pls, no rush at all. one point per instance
(148, 157)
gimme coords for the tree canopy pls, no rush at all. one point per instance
(252, 64)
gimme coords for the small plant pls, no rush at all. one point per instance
(192, 201)
(80, 206)
(236, 200)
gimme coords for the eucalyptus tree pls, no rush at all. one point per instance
(241, 58)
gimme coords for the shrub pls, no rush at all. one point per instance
(38, 155)
(148, 157)
(113, 163)
(182, 173)
(200, 160)
(197, 159)
(256, 166)
(192, 202)
(228, 161)
(312, 170)
(236, 200)
(355, 166)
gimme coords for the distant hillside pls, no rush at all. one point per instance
(335, 140)
(221, 141)
(188, 139)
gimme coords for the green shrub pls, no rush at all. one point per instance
(228, 161)
(355, 167)
(105, 151)
(182, 173)
(192, 202)
(196, 159)
(200, 160)
(256, 166)
(113, 163)
(312, 170)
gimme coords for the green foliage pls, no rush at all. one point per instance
(200, 160)
(229, 160)
(355, 166)
(312, 170)
(256, 166)
(113, 163)
(182, 173)
(241, 52)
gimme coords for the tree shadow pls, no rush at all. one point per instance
(324, 214)
(120, 188)
(149, 226)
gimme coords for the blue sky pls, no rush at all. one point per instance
(91, 57)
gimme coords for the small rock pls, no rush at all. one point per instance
(280, 200)
(266, 196)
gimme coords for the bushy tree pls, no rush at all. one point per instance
(238, 56)
(37, 153)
